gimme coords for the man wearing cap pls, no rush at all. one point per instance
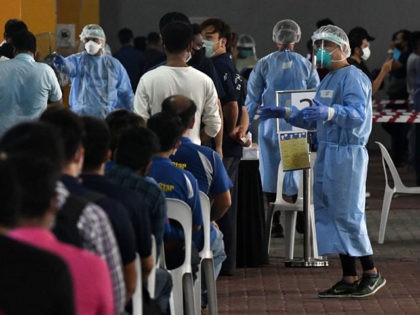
(360, 52)
(342, 115)
(279, 71)
(99, 83)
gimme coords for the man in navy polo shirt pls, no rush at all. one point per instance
(174, 182)
(178, 183)
(203, 162)
(217, 36)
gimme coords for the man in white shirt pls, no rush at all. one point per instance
(177, 78)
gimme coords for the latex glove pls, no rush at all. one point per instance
(59, 61)
(316, 112)
(267, 112)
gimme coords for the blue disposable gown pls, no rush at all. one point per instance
(341, 165)
(279, 71)
(99, 84)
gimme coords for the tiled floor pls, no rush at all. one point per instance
(275, 289)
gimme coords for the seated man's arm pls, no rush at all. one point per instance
(147, 264)
(130, 279)
(221, 204)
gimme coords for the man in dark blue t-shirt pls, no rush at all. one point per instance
(131, 58)
(217, 35)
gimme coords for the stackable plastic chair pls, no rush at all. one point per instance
(290, 213)
(151, 280)
(138, 294)
(207, 264)
(182, 278)
(389, 192)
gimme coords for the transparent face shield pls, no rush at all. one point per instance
(323, 51)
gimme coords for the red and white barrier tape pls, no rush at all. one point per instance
(382, 114)
(381, 103)
(396, 116)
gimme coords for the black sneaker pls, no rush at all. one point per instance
(369, 285)
(340, 289)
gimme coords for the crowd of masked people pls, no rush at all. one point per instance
(83, 186)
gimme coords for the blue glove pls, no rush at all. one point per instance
(268, 112)
(316, 112)
(59, 61)
(396, 54)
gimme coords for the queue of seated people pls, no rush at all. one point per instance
(93, 205)
(83, 196)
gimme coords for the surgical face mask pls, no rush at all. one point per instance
(245, 53)
(92, 48)
(323, 57)
(208, 46)
(366, 53)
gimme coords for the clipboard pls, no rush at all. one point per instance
(294, 150)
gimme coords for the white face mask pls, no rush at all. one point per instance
(188, 57)
(366, 53)
(92, 48)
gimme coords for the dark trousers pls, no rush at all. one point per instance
(348, 264)
(227, 223)
(399, 141)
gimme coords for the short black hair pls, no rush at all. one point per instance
(35, 150)
(407, 36)
(177, 36)
(168, 128)
(182, 107)
(171, 17)
(136, 147)
(153, 38)
(196, 29)
(96, 142)
(125, 35)
(69, 126)
(119, 120)
(140, 43)
(220, 27)
(416, 39)
(324, 22)
(14, 26)
(24, 41)
(10, 193)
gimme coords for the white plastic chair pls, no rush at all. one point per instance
(182, 277)
(137, 298)
(290, 213)
(389, 192)
(207, 264)
(151, 280)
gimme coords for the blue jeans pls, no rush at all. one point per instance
(218, 250)
(219, 255)
(163, 288)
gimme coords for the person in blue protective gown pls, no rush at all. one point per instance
(99, 82)
(342, 116)
(279, 71)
